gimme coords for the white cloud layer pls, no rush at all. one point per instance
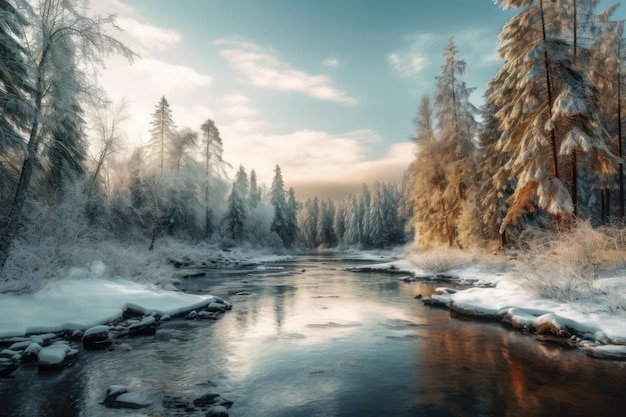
(263, 68)
(149, 36)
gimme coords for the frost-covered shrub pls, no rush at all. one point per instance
(565, 265)
(440, 260)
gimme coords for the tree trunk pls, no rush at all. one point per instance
(555, 161)
(619, 138)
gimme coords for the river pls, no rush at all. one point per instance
(306, 338)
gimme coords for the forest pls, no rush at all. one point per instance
(545, 152)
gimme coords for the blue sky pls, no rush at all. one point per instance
(325, 88)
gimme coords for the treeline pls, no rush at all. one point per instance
(548, 149)
(367, 220)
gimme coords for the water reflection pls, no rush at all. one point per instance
(325, 342)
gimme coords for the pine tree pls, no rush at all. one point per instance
(15, 89)
(63, 134)
(162, 132)
(237, 213)
(254, 198)
(431, 197)
(546, 108)
(277, 199)
(215, 167)
(292, 219)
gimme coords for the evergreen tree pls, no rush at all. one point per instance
(63, 130)
(215, 167)
(15, 89)
(162, 132)
(292, 218)
(237, 214)
(254, 198)
(277, 199)
(546, 108)
(308, 221)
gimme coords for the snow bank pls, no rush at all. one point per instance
(81, 303)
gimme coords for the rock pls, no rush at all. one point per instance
(76, 335)
(216, 308)
(31, 353)
(207, 315)
(223, 302)
(145, 327)
(20, 345)
(418, 297)
(56, 356)
(120, 396)
(7, 366)
(218, 411)
(97, 337)
(9, 354)
(166, 317)
(243, 293)
(206, 400)
(193, 314)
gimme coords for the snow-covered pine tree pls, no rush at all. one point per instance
(277, 199)
(215, 167)
(604, 61)
(428, 187)
(161, 133)
(324, 230)
(547, 110)
(307, 220)
(15, 88)
(236, 215)
(339, 221)
(292, 218)
(64, 141)
(254, 199)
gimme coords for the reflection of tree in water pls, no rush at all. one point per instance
(477, 369)
(281, 293)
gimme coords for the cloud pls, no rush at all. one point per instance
(414, 59)
(331, 62)
(238, 107)
(149, 36)
(169, 77)
(263, 68)
(315, 159)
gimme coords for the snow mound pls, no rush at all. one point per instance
(81, 303)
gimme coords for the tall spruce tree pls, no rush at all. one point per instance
(161, 133)
(546, 108)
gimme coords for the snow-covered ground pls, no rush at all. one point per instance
(83, 301)
(592, 323)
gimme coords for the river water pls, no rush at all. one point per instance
(306, 338)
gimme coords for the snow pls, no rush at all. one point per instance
(496, 293)
(84, 302)
(100, 329)
(55, 354)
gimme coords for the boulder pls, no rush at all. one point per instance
(56, 356)
(31, 353)
(219, 411)
(120, 396)
(97, 337)
(144, 327)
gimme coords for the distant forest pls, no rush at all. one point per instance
(543, 151)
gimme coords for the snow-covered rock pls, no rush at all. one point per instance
(97, 337)
(56, 356)
(144, 327)
(218, 411)
(7, 366)
(120, 396)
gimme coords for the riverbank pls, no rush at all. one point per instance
(595, 323)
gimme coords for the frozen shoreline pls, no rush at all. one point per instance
(495, 295)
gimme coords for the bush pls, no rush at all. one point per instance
(440, 260)
(565, 265)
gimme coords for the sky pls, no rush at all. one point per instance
(327, 89)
